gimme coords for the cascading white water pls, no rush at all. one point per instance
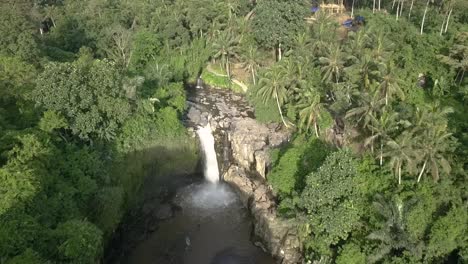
(207, 144)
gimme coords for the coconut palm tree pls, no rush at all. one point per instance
(382, 48)
(310, 109)
(323, 33)
(358, 42)
(392, 235)
(225, 47)
(369, 104)
(434, 146)
(424, 16)
(401, 152)
(251, 61)
(273, 86)
(381, 128)
(332, 64)
(389, 84)
(434, 140)
(364, 71)
(457, 58)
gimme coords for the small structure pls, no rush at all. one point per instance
(357, 21)
(333, 8)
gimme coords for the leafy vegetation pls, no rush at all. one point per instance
(376, 172)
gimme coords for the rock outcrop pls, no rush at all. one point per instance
(250, 143)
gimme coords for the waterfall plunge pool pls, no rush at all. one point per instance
(212, 227)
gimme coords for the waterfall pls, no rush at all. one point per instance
(207, 144)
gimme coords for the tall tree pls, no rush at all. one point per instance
(333, 64)
(310, 108)
(401, 153)
(251, 61)
(389, 84)
(434, 141)
(381, 129)
(225, 46)
(392, 235)
(90, 97)
(277, 22)
(424, 16)
(273, 86)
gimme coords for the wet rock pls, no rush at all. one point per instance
(164, 212)
(194, 115)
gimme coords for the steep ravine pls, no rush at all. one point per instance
(242, 148)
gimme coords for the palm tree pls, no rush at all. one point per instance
(457, 58)
(364, 71)
(323, 33)
(392, 235)
(310, 109)
(401, 151)
(434, 144)
(434, 140)
(251, 61)
(370, 104)
(381, 129)
(272, 86)
(302, 45)
(332, 64)
(411, 9)
(389, 83)
(225, 47)
(382, 47)
(424, 16)
(233, 7)
(358, 42)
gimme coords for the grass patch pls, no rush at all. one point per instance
(222, 82)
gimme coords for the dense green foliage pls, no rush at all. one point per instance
(392, 97)
(85, 110)
(376, 172)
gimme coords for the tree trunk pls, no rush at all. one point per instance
(379, 4)
(411, 9)
(53, 21)
(279, 108)
(399, 174)
(401, 7)
(253, 75)
(448, 19)
(393, 5)
(424, 16)
(280, 56)
(381, 154)
(227, 69)
(373, 7)
(352, 9)
(397, 10)
(422, 170)
(316, 128)
(442, 27)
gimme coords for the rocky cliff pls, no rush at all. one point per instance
(242, 147)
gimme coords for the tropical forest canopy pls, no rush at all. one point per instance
(93, 91)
